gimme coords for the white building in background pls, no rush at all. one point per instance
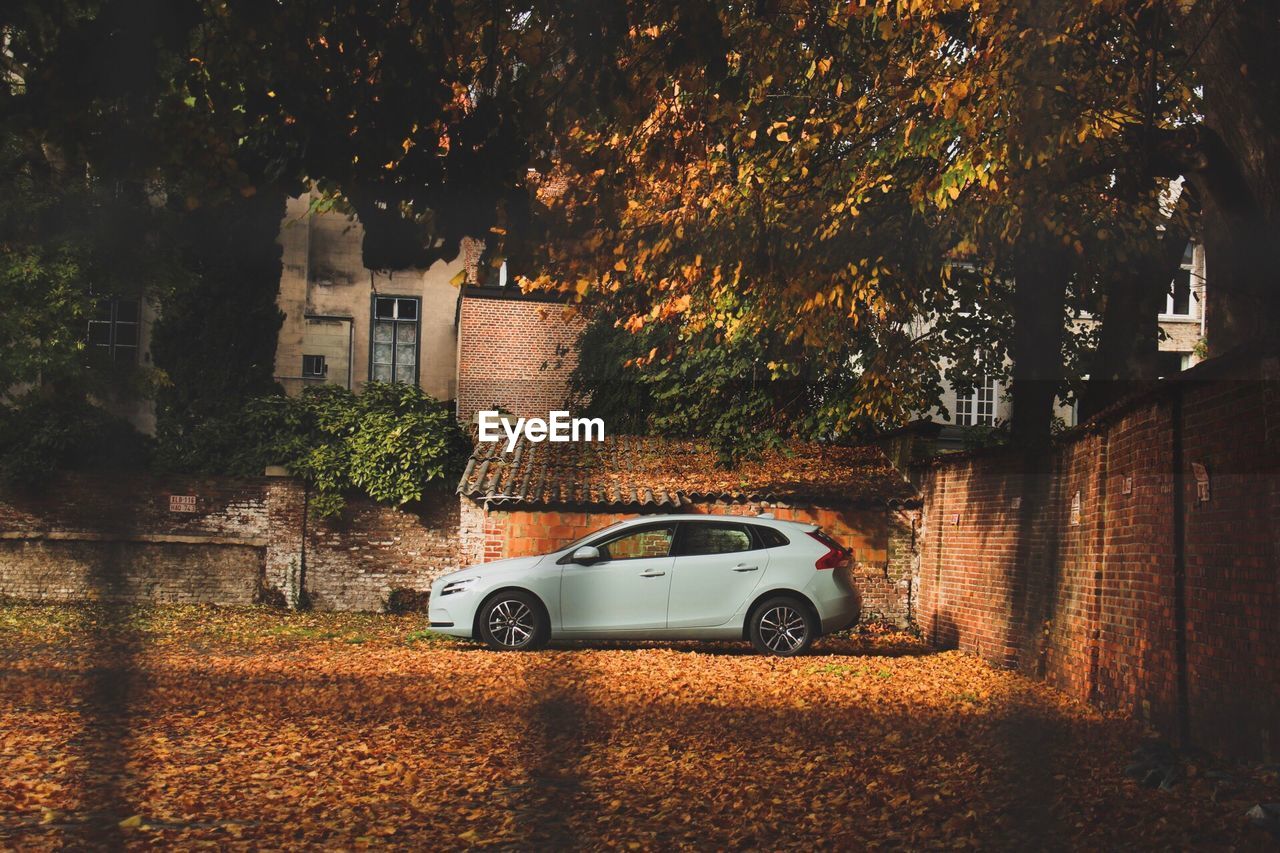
(1182, 327)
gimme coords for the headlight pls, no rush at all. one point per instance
(458, 586)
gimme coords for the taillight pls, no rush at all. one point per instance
(836, 557)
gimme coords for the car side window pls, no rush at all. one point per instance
(713, 537)
(639, 544)
(770, 537)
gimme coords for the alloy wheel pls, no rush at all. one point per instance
(511, 623)
(782, 629)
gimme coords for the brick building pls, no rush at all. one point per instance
(539, 497)
(516, 352)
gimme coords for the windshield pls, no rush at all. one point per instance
(592, 535)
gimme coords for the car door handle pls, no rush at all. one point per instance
(652, 574)
(743, 567)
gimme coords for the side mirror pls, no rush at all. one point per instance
(586, 555)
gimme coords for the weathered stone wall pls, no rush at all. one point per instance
(163, 572)
(356, 559)
(115, 537)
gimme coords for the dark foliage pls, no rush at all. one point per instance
(401, 601)
(216, 335)
(40, 434)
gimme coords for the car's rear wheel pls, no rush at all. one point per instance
(782, 626)
(514, 621)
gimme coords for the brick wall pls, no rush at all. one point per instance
(129, 571)
(515, 354)
(882, 541)
(114, 537)
(1095, 567)
(356, 559)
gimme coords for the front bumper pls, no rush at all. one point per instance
(451, 614)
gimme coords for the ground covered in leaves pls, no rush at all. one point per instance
(250, 728)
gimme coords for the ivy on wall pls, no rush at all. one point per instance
(390, 442)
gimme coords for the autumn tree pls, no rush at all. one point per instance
(1232, 156)
(842, 165)
(844, 185)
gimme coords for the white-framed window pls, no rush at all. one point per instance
(113, 330)
(1182, 300)
(394, 348)
(978, 408)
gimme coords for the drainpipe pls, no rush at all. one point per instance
(1183, 710)
(351, 350)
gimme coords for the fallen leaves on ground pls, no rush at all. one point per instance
(250, 728)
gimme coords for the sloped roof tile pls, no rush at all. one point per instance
(634, 471)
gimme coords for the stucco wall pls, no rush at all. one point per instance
(326, 295)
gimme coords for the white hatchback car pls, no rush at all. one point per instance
(779, 584)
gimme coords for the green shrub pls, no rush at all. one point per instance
(392, 442)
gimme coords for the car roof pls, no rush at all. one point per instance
(739, 519)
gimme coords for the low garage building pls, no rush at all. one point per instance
(538, 497)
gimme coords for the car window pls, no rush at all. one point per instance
(578, 543)
(771, 537)
(638, 544)
(713, 537)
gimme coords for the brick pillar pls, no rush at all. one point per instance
(286, 532)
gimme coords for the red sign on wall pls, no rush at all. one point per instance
(182, 503)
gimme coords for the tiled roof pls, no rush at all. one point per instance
(667, 473)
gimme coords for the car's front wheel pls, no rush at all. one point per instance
(514, 621)
(782, 626)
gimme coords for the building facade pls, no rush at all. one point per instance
(458, 335)
(481, 343)
(345, 324)
(1182, 329)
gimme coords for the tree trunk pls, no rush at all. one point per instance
(1041, 275)
(1233, 48)
(1042, 267)
(1129, 337)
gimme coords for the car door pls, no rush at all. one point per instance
(717, 565)
(627, 588)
